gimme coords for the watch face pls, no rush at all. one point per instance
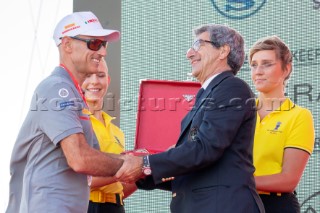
(147, 171)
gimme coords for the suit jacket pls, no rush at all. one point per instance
(212, 161)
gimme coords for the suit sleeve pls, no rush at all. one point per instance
(149, 184)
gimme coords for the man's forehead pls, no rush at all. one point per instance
(203, 36)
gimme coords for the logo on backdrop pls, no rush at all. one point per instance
(238, 9)
(309, 203)
(316, 4)
(188, 97)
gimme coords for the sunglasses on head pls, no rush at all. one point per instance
(93, 43)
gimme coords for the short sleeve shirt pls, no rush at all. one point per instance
(289, 126)
(41, 180)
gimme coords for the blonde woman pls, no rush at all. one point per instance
(284, 135)
(106, 193)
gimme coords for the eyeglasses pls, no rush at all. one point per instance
(92, 44)
(197, 44)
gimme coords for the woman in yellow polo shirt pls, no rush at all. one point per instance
(284, 136)
(106, 193)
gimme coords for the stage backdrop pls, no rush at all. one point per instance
(156, 35)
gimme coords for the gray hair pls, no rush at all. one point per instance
(223, 35)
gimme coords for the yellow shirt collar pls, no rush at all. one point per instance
(285, 106)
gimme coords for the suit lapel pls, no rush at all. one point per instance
(214, 83)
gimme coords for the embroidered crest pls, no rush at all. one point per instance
(63, 92)
(193, 134)
(277, 125)
(276, 129)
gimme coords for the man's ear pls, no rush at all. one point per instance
(224, 51)
(66, 44)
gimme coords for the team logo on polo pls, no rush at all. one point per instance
(277, 126)
(63, 93)
(275, 130)
(238, 9)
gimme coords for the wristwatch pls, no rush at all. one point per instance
(146, 169)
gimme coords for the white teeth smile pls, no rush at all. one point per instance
(94, 90)
(96, 60)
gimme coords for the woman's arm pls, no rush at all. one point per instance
(294, 163)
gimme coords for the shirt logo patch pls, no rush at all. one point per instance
(275, 130)
(193, 134)
(63, 93)
(67, 103)
(277, 126)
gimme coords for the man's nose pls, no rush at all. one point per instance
(190, 53)
(102, 51)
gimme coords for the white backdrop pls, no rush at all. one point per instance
(28, 54)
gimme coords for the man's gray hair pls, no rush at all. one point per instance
(223, 35)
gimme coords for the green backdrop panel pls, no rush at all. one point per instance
(156, 35)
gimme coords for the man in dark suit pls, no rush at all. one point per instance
(210, 169)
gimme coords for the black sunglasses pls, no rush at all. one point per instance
(92, 44)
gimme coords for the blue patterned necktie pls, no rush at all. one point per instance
(199, 94)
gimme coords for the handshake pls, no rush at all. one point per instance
(136, 166)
